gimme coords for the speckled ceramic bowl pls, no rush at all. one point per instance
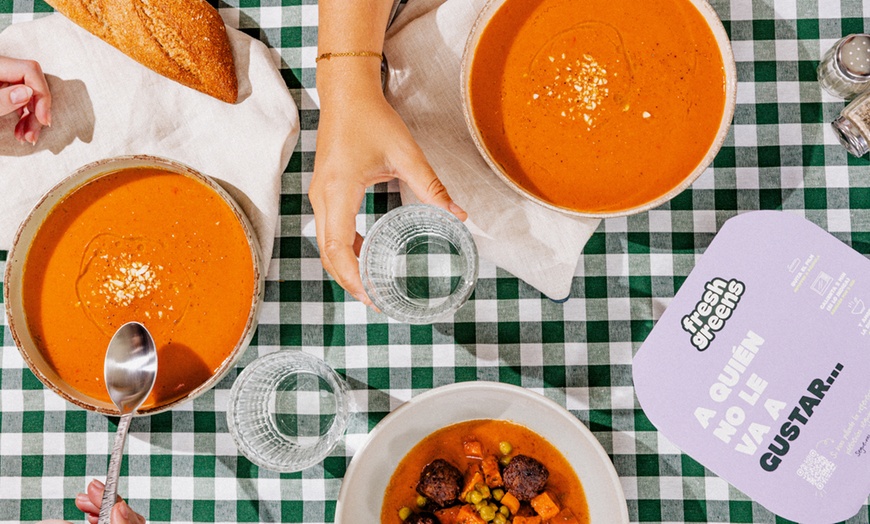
(13, 281)
(730, 73)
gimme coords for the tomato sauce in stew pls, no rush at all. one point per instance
(450, 444)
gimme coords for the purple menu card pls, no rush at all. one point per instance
(760, 367)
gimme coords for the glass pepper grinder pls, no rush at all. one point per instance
(853, 125)
(845, 69)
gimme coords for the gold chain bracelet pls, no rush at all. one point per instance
(327, 56)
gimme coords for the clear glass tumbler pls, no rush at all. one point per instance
(418, 264)
(288, 410)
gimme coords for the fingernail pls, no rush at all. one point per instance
(20, 94)
(30, 138)
(82, 497)
(455, 209)
(125, 510)
(360, 297)
(98, 484)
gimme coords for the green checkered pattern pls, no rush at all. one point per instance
(182, 466)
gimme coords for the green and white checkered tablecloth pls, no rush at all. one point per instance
(183, 466)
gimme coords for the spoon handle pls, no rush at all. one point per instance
(114, 469)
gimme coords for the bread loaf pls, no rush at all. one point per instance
(184, 40)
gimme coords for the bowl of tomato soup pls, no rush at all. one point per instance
(135, 238)
(598, 108)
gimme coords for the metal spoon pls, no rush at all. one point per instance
(130, 370)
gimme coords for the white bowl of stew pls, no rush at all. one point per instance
(133, 238)
(598, 108)
(362, 495)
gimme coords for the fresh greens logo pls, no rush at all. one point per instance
(718, 302)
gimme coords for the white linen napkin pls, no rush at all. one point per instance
(424, 49)
(105, 104)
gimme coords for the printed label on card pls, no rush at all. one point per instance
(759, 369)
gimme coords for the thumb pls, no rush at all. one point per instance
(427, 187)
(14, 97)
(123, 514)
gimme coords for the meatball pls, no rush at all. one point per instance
(525, 477)
(422, 518)
(440, 482)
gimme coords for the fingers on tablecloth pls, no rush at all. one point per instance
(90, 502)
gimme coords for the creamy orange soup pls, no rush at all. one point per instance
(139, 244)
(451, 444)
(598, 106)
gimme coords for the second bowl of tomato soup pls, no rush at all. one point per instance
(133, 239)
(602, 107)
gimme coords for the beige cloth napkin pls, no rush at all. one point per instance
(424, 49)
(105, 104)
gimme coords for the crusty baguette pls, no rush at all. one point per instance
(184, 40)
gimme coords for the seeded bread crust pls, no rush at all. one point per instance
(184, 40)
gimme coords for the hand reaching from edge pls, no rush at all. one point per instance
(23, 89)
(90, 503)
(361, 142)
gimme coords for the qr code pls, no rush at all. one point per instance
(816, 469)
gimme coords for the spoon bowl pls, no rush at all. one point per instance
(130, 367)
(130, 371)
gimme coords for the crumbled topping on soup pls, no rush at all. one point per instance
(581, 83)
(131, 279)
